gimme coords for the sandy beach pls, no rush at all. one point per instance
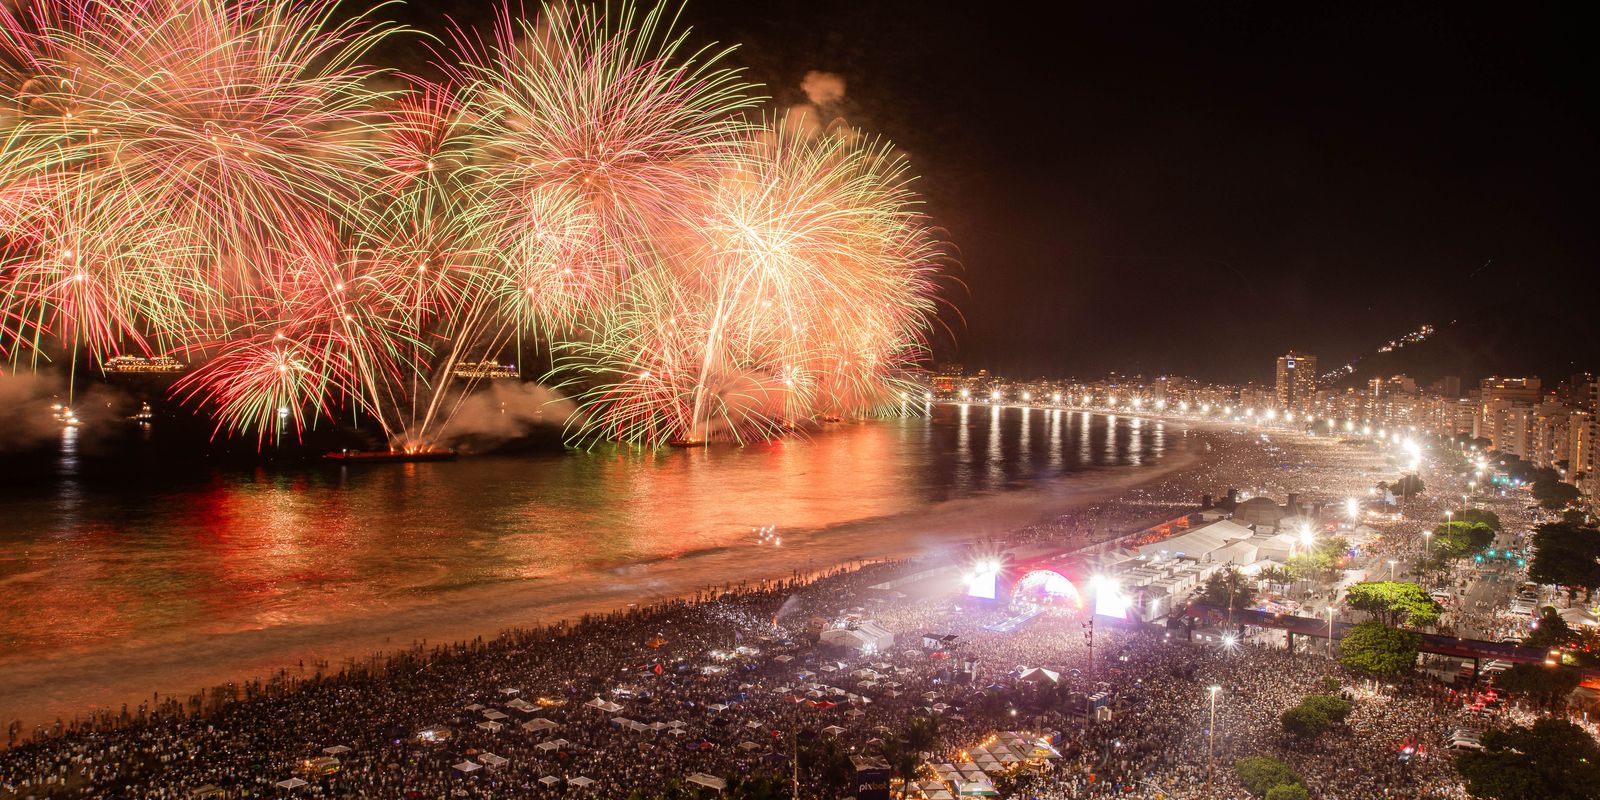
(73, 683)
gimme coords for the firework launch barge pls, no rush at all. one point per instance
(388, 456)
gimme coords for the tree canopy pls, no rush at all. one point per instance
(1462, 539)
(1482, 516)
(1546, 684)
(1288, 791)
(1321, 561)
(1336, 709)
(1314, 715)
(1262, 774)
(1553, 760)
(1550, 630)
(1228, 588)
(1303, 722)
(1407, 486)
(1375, 650)
(1553, 493)
(1567, 555)
(1394, 603)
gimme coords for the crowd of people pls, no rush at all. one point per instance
(734, 684)
(741, 675)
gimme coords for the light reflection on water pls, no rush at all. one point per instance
(205, 552)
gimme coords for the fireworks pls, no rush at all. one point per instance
(220, 180)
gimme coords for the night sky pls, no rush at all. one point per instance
(1193, 188)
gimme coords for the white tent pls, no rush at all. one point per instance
(547, 746)
(581, 780)
(539, 724)
(492, 727)
(1040, 675)
(468, 767)
(1577, 617)
(708, 781)
(292, 783)
(833, 730)
(549, 780)
(335, 750)
(492, 760)
(749, 746)
(864, 637)
(494, 715)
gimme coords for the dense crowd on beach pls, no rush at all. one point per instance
(733, 685)
(747, 694)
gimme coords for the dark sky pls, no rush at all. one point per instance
(1195, 187)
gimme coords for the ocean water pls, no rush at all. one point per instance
(168, 555)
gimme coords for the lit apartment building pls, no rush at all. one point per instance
(1296, 388)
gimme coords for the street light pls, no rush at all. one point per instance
(1330, 630)
(1391, 569)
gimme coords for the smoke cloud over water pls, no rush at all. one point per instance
(505, 411)
(27, 419)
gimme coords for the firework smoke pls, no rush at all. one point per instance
(226, 181)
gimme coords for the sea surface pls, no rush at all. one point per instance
(183, 558)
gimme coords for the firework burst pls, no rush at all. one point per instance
(222, 179)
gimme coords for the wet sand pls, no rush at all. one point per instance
(69, 684)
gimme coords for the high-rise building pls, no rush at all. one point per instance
(1297, 381)
(1587, 449)
(1517, 390)
(1505, 413)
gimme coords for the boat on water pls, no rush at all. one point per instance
(388, 456)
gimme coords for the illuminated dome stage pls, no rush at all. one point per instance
(1046, 584)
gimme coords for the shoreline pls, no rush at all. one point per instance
(36, 693)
